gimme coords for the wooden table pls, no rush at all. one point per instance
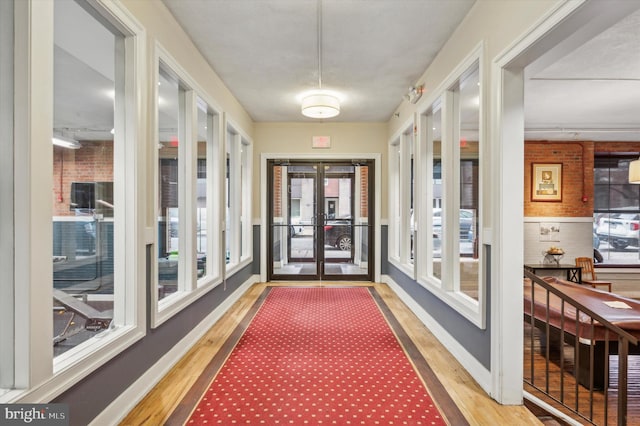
(574, 273)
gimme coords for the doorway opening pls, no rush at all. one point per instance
(320, 216)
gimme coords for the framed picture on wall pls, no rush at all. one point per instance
(546, 182)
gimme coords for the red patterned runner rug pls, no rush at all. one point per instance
(318, 356)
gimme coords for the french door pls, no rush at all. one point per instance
(320, 220)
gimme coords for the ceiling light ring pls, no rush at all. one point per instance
(320, 105)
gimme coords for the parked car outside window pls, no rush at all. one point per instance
(466, 224)
(338, 233)
(619, 230)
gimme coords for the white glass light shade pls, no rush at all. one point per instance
(320, 105)
(65, 142)
(634, 171)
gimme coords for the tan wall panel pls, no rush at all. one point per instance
(295, 138)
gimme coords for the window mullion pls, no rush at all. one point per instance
(405, 194)
(448, 239)
(247, 225)
(454, 212)
(394, 199)
(424, 193)
(190, 138)
(7, 305)
(214, 169)
(33, 179)
(236, 198)
(121, 216)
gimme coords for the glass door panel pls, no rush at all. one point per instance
(346, 221)
(293, 226)
(302, 215)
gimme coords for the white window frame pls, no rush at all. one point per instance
(407, 150)
(394, 201)
(402, 144)
(214, 180)
(425, 195)
(38, 376)
(241, 225)
(246, 158)
(190, 288)
(7, 307)
(447, 289)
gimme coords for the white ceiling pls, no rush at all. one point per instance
(372, 52)
(592, 92)
(266, 51)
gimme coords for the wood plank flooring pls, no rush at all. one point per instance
(596, 412)
(475, 404)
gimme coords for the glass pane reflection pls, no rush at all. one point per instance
(468, 146)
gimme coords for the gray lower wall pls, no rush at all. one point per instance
(94, 393)
(476, 341)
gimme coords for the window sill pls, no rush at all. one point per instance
(630, 268)
(75, 365)
(406, 268)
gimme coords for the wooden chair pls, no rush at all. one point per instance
(589, 273)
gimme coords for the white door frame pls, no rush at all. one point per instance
(563, 29)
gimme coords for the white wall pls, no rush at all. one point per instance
(575, 238)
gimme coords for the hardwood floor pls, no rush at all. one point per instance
(572, 392)
(475, 404)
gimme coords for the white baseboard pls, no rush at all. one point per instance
(468, 361)
(120, 407)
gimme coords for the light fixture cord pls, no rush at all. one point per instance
(320, 44)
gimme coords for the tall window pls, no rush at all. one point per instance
(246, 231)
(238, 232)
(395, 205)
(75, 246)
(407, 173)
(187, 190)
(401, 199)
(616, 210)
(230, 197)
(171, 167)
(434, 192)
(206, 238)
(449, 201)
(466, 96)
(88, 88)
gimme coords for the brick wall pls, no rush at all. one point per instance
(577, 178)
(91, 163)
(620, 147)
(277, 191)
(364, 192)
(577, 174)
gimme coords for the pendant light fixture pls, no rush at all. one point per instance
(320, 103)
(634, 171)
